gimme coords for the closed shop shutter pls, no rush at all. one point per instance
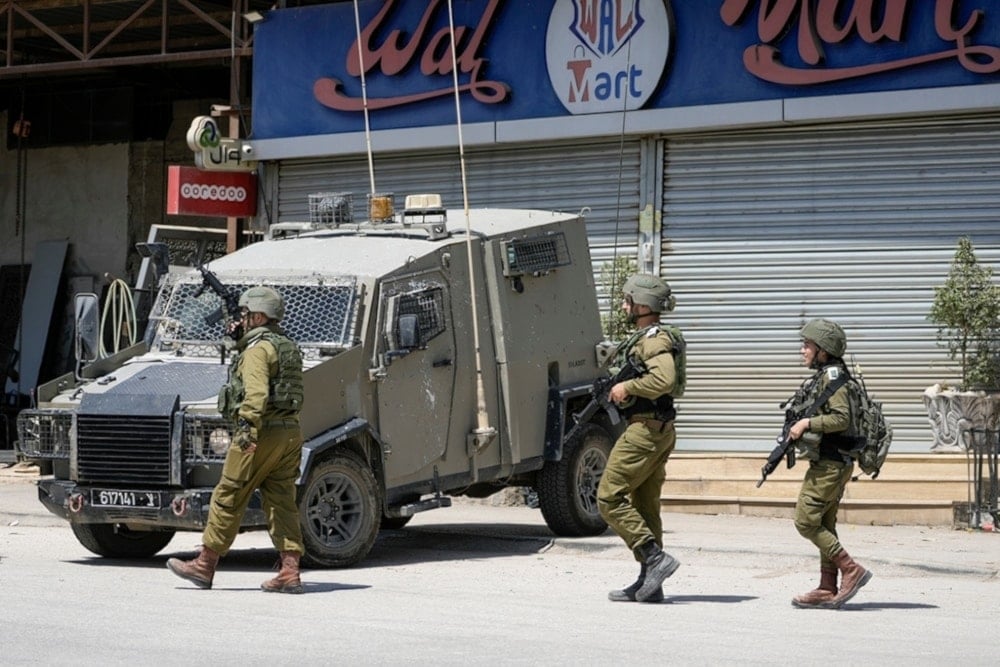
(559, 177)
(765, 230)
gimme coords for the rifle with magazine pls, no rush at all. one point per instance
(230, 307)
(784, 449)
(633, 368)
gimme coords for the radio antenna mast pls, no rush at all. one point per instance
(618, 200)
(484, 433)
(364, 98)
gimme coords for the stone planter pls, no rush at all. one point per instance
(953, 412)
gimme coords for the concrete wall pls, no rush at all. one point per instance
(78, 193)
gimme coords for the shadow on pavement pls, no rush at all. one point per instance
(392, 547)
(310, 587)
(878, 606)
(722, 599)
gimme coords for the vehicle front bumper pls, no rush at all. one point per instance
(178, 509)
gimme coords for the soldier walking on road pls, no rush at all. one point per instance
(262, 398)
(629, 492)
(820, 439)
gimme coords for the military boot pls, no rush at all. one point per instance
(659, 565)
(852, 578)
(200, 571)
(627, 594)
(824, 594)
(287, 580)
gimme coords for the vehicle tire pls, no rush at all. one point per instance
(394, 522)
(567, 489)
(114, 540)
(339, 511)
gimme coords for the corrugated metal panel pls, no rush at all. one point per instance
(559, 177)
(763, 231)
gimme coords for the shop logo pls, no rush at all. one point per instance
(607, 55)
(213, 192)
(825, 24)
(389, 50)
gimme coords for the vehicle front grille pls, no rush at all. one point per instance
(123, 449)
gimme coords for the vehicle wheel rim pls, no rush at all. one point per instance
(588, 476)
(335, 510)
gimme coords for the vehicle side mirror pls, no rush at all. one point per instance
(87, 329)
(408, 332)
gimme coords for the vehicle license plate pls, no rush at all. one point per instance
(122, 498)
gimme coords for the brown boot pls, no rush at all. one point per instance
(824, 594)
(287, 580)
(200, 571)
(852, 578)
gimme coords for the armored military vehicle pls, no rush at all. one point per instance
(402, 411)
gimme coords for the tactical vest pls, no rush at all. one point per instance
(814, 446)
(807, 447)
(664, 405)
(285, 389)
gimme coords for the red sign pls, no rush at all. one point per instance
(221, 194)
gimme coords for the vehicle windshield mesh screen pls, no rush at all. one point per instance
(320, 315)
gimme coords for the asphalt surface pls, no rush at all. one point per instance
(931, 549)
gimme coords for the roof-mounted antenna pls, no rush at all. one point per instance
(364, 99)
(484, 433)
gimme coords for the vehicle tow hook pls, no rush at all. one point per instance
(179, 506)
(76, 502)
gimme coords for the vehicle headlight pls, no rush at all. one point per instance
(218, 441)
(29, 433)
(44, 434)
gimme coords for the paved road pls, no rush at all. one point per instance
(478, 583)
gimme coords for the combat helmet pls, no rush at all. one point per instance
(827, 335)
(649, 290)
(265, 300)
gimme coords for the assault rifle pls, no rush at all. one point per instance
(633, 368)
(230, 302)
(784, 449)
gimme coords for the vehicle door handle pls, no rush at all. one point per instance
(440, 363)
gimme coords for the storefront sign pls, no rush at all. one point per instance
(213, 152)
(191, 191)
(832, 25)
(430, 52)
(521, 60)
(606, 56)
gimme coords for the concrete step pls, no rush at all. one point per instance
(914, 489)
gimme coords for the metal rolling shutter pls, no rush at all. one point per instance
(763, 231)
(560, 177)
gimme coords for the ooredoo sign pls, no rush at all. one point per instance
(191, 191)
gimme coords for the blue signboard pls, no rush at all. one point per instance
(550, 58)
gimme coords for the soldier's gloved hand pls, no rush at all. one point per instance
(232, 334)
(244, 437)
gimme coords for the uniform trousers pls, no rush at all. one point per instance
(273, 468)
(818, 503)
(628, 496)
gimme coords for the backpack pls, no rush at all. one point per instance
(871, 431)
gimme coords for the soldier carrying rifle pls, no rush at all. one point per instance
(629, 492)
(817, 426)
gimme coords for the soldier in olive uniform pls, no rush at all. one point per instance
(629, 492)
(822, 439)
(263, 398)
